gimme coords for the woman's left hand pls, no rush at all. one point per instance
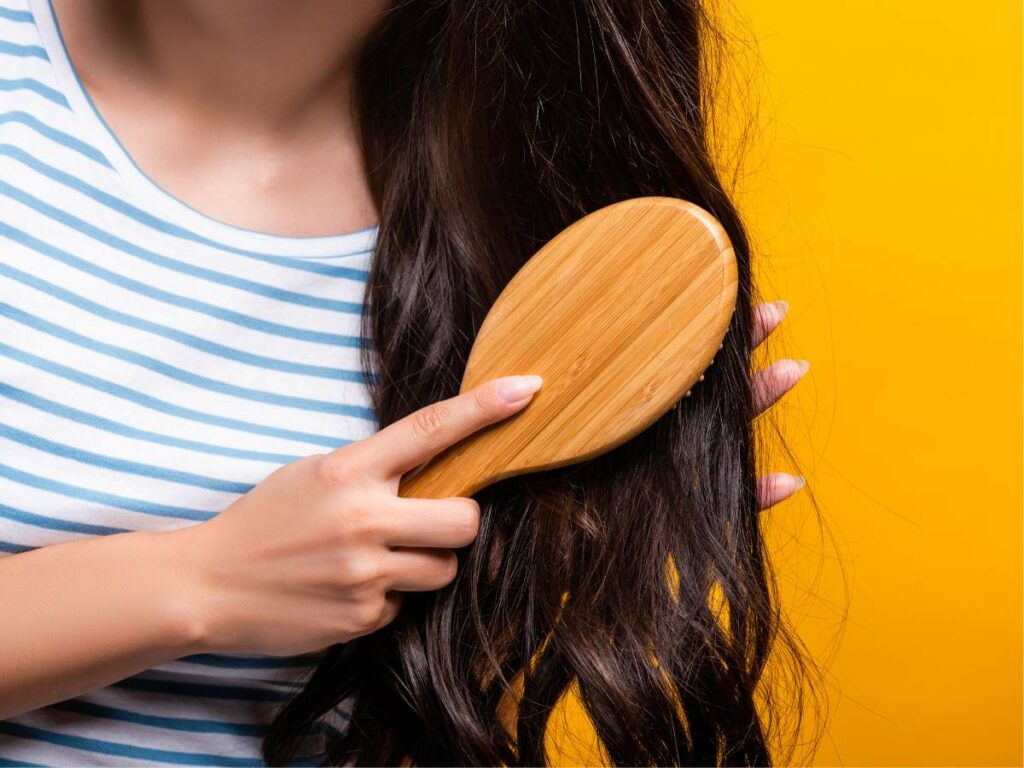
(769, 385)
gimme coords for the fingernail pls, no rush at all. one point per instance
(512, 389)
(781, 307)
(803, 366)
(800, 482)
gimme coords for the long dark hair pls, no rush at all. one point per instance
(637, 579)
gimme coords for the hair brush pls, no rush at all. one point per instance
(620, 313)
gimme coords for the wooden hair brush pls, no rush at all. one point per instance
(620, 313)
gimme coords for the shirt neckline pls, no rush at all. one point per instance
(160, 200)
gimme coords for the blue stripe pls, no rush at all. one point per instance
(161, 225)
(25, 51)
(14, 549)
(98, 497)
(125, 430)
(125, 393)
(103, 747)
(12, 15)
(20, 763)
(236, 318)
(189, 340)
(56, 523)
(209, 275)
(191, 725)
(178, 374)
(203, 690)
(237, 662)
(53, 134)
(121, 465)
(187, 724)
(30, 84)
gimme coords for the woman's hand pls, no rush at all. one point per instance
(319, 552)
(771, 384)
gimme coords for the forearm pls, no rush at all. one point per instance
(80, 615)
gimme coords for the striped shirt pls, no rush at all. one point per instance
(155, 364)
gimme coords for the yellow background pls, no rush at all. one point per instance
(883, 194)
(886, 201)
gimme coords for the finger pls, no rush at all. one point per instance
(767, 317)
(448, 523)
(421, 570)
(409, 442)
(776, 380)
(392, 605)
(771, 489)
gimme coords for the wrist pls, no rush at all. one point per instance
(181, 597)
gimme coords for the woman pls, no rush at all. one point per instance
(198, 475)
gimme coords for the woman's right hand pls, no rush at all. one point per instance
(320, 551)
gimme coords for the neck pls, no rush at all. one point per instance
(270, 64)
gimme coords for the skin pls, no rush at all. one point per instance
(233, 129)
(260, 136)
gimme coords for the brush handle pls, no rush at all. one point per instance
(438, 484)
(456, 471)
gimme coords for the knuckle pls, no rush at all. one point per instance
(485, 399)
(359, 571)
(364, 522)
(344, 530)
(427, 424)
(389, 610)
(368, 614)
(337, 469)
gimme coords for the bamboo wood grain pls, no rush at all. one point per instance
(621, 313)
